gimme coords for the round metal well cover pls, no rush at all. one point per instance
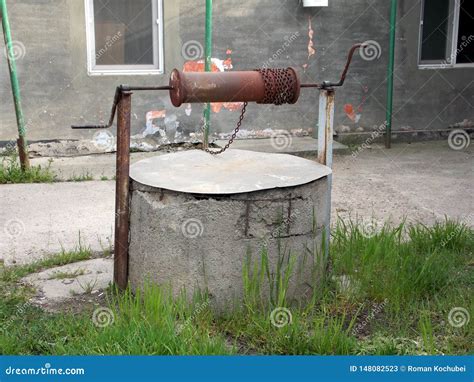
(232, 172)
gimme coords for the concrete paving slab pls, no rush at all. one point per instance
(423, 181)
(55, 285)
(41, 219)
(99, 166)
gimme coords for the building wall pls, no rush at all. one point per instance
(58, 92)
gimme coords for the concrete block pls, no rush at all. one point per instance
(191, 241)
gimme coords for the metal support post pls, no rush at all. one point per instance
(20, 120)
(122, 191)
(325, 139)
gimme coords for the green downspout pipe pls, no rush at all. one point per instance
(207, 68)
(391, 61)
(20, 120)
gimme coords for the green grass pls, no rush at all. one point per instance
(12, 274)
(85, 176)
(401, 285)
(145, 323)
(67, 275)
(403, 263)
(11, 172)
(423, 272)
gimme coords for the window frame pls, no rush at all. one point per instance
(452, 40)
(103, 70)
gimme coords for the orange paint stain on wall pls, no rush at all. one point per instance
(311, 50)
(351, 112)
(198, 66)
(155, 114)
(217, 65)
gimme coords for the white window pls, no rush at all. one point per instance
(446, 34)
(124, 37)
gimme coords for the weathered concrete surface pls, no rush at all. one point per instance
(64, 282)
(54, 286)
(99, 166)
(282, 143)
(202, 241)
(422, 181)
(40, 219)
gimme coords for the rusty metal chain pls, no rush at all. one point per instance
(280, 88)
(234, 134)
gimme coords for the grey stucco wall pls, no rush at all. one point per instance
(427, 99)
(58, 92)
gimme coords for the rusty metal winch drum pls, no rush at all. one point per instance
(272, 86)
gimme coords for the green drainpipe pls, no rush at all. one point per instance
(20, 120)
(391, 61)
(207, 68)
